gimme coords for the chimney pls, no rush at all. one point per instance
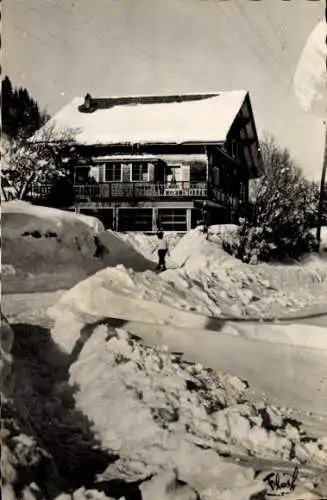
(87, 101)
(89, 104)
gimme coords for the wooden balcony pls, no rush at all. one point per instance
(139, 191)
(102, 193)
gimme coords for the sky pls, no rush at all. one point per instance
(60, 49)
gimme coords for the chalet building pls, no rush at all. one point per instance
(154, 160)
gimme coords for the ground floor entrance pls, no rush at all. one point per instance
(178, 218)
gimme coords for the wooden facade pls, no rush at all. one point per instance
(136, 186)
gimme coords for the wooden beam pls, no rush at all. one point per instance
(243, 120)
(248, 141)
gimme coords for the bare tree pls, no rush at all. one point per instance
(43, 158)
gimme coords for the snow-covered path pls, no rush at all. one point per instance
(287, 375)
(284, 374)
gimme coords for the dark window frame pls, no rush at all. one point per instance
(138, 168)
(116, 167)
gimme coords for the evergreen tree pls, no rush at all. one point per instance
(21, 115)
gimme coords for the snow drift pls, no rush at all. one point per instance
(310, 76)
(118, 250)
(209, 284)
(54, 249)
(243, 290)
(185, 418)
(39, 239)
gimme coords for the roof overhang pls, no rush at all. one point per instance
(122, 158)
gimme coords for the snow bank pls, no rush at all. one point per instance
(48, 215)
(184, 418)
(211, 285)
(295, 334)
(243, 290)
(40, 239)
(118, 378)
(119, 250)
(58, 247)
(146, 244)
(310, 76)
(122, 294)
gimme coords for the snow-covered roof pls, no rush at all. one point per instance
(178, 119)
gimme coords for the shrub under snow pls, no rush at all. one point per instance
(284, 212)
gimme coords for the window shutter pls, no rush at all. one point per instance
(185, 173)
(151, 172)
(101, 170)
(126, 174)
(95, 173)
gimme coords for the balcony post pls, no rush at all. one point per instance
(188, 219)
(154, 218)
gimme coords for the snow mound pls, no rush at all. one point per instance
(40, 239)
(170, 299)
(243, 290)
(310, 75)
(146, 244)
(122, 294)
(194, 251)
(118, 378)
(118, 250)
(48, 215)
(185, 418)
(54, 249)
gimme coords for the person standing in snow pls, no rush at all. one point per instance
(163, 250)
(206, 219)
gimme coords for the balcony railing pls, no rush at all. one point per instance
(129, 191)
(139, 190)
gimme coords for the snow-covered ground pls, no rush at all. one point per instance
(165, 414)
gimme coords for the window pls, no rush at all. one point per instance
(135, 219)
(173, 175)
(106, 215)
(172, 219)
(113, 172)
(198, 172)
(140, 172)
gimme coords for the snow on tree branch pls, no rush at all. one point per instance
(27, 161)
